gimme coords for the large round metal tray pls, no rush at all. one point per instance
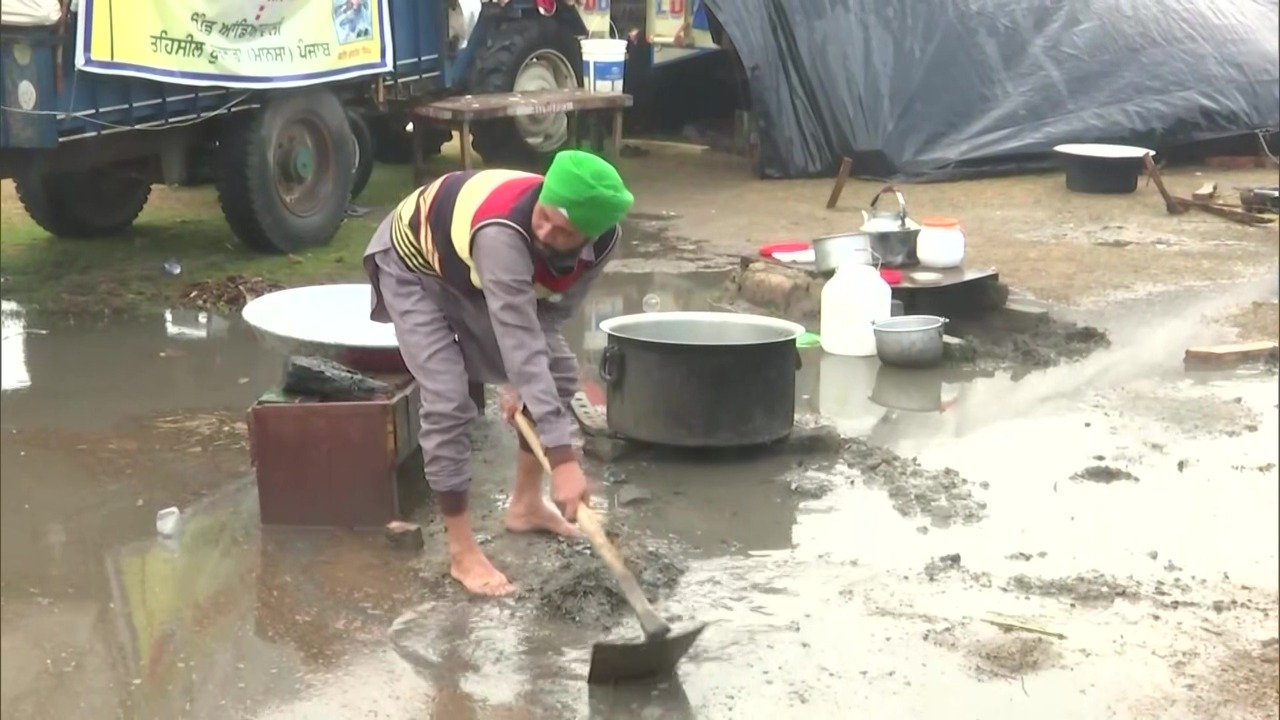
(326, 320)
(1103, 151)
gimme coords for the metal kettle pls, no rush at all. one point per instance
(893, 234)
(887, 220)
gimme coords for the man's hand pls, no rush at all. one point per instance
(510, 404)
(568, 488)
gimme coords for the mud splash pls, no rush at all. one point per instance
(1050, 343)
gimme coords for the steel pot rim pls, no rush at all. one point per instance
(888, 326)
(617, 326)
(840, 236)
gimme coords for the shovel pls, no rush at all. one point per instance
(660, 650)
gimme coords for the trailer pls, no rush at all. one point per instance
(86, 138)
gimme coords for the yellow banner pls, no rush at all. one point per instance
(235, 43)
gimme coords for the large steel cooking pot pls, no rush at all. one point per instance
(700, 379)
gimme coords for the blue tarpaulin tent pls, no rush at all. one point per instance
(938, 89)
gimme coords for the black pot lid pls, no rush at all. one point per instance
(1103, 151)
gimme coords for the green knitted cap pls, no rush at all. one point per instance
(588, 189)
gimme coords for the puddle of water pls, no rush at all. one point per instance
(13, 347)
(624, 293)
(87, 376)
(819, 604)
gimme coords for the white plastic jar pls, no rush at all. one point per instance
(941, 242)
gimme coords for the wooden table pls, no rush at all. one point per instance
(463, 111)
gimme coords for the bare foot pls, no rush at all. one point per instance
(538, 516)
(478, 575)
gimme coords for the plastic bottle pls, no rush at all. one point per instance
(851, 300)
(167, 521)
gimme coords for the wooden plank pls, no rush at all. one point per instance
(1207, 192)
(846, 167)
(1231, 213)
(1177, 205)
(1236, 353)
(546, 102)
(1010, 625)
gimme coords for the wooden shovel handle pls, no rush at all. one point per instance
(652, 624)
(1171, 205)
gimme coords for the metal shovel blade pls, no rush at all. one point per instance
(651, 657)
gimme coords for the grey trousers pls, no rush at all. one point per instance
(433, 354)
(447, 342)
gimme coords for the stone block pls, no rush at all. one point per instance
(777, 290)
(404, 535)
(1021, 316)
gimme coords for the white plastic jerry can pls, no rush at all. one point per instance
(851, 301)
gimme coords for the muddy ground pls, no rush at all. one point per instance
(1114, 509)
(1256, 321)
(1046, 242)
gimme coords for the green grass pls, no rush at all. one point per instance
(123, 274)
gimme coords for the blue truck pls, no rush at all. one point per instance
(85, 148)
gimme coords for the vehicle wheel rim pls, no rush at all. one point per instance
(545, 70)
(303, 165)
(355, 154)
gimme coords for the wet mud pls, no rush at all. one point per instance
(1091, 588)
(1017, 654)
(1052, 342)
(1245, 683)
(993, 654)
(1104, 474)
(226, 294)
(941, 496)
(578, 588)
(1192, 409)
(826, 460)
(824, 566)
(943, 565)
